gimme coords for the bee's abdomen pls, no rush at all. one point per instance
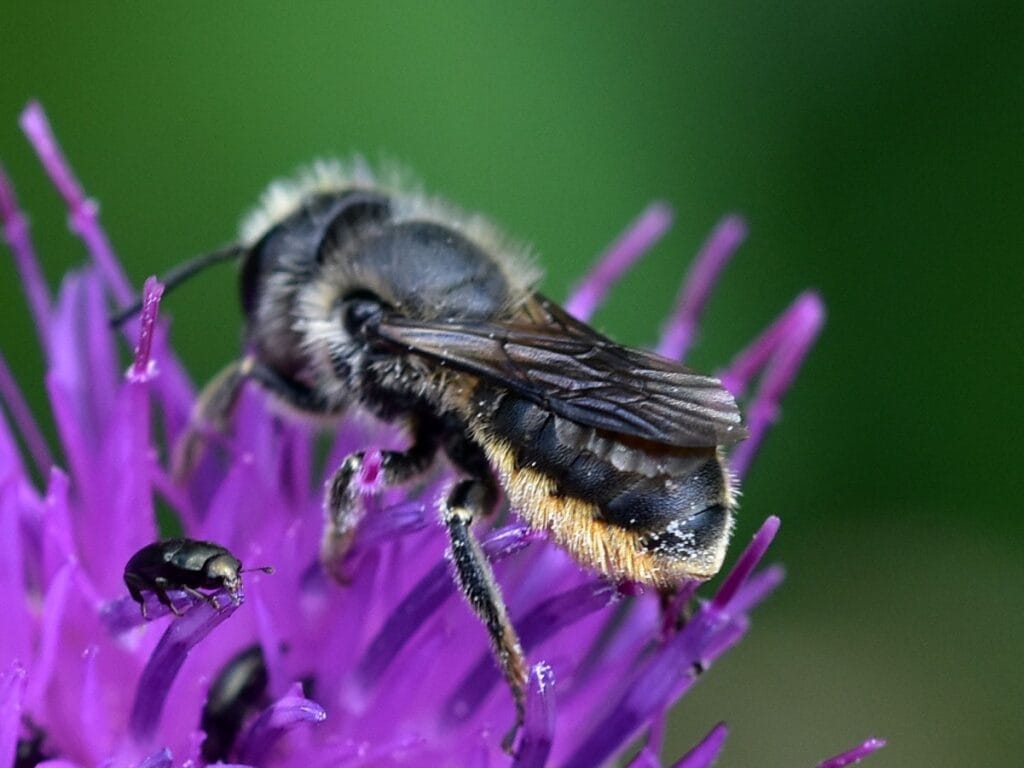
(674, 503)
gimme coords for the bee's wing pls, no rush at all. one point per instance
(572, 371)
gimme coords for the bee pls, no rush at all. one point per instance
(187, 565)
(357, 294)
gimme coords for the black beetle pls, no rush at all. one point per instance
(183, 564)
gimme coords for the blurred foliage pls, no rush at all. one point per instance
(876, 149)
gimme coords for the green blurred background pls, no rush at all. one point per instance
(876, 149)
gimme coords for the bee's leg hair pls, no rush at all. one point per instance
(469, 500)
(342, 498)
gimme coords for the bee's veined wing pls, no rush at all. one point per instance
(574, 372)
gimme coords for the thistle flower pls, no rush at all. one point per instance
(389, 669)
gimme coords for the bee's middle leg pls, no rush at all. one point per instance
(469, 500)
(342, 498)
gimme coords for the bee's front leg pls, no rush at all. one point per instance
(211, 414)
(469, 500)
(219, 399)
(341, 502)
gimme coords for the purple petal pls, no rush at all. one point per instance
(747, 562)
(706, 752)
(542, 622)
(757, 588)
(539, 720)
(391, 522)
(17, 638)
(159, 759)
(667, 675)
(124, 614)
(10, 395)
(182, 635)
(806, 311)
(638, 238)
(422, 602)
(648, 692)
(54, 609)
(12, 695)
(143, 366)
(16, 233)
(276, 721)
(645, 758)
(95, 719)
(12, 470)
(854, 755)
(58, 532)
(84, 220)
(781, 351)
(703, 275)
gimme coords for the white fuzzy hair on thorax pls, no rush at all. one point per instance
(285, 196)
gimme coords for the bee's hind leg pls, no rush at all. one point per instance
(469, 500)
(342, 498)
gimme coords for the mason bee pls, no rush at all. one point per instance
(358, 294)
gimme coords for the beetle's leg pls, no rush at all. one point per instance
(211, 600)
(219, 398)
(469, 500)
(135, 588)
(342, 498)
(159, 588)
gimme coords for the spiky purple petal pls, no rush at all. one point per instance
(84, 219)
(10, 395)
(159, 759)
(700, 280)
(747, 562)
(12, 695)
(853, 756)
(639, 237)
(143, 366)
(287, 713)
(706, 752)
(422, 602)
(656, 683)
(154, 685)
(539, 723)
(17, 236)
(780, 351)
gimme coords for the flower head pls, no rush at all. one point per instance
(389, 668)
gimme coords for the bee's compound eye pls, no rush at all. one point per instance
(359, 308)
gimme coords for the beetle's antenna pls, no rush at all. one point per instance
(264, 568)
(179, 274)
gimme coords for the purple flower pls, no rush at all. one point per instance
(388, 669)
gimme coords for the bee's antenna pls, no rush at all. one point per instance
(180, 274)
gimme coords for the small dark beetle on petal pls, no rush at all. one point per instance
(187, 565)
